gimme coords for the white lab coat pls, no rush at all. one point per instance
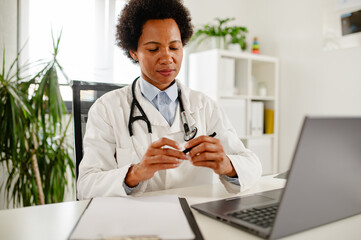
(109, 150)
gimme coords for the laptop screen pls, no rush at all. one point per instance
(324, 181)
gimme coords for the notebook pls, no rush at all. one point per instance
(323, 184)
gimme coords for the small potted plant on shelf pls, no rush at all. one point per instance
(238, 36)
(222, 34)
(217, 32)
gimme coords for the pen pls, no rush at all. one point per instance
(188, 149)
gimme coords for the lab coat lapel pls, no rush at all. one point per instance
(187, 105)
(177, 124)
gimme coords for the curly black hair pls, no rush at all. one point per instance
(137, 12)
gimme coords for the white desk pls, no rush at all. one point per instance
(56, 221)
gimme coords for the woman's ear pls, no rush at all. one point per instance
(133, 54)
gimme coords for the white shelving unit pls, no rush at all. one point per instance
(233, 80)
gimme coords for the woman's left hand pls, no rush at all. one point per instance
(208, 152)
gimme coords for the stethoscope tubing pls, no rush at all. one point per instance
(188, 133)
(143, 116)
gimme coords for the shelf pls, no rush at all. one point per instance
(235, 97)
(256, 137)
(245, 55)
(256, 98)
(259, 98)
(222, 73)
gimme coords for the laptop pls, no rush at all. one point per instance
(323, 184)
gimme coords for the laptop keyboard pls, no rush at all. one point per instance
(262, 217)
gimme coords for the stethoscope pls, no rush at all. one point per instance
(189, 132)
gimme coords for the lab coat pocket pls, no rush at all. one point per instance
(125, 156)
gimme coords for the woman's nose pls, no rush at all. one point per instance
(166, 57)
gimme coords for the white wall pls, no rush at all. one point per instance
(204, 11)
(311, 81)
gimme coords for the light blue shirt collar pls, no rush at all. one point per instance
(150, 92)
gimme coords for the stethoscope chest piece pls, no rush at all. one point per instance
(191, 134)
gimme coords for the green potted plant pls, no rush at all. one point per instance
(238, 36)
(217, 32)
(33, 145)
(222, 34)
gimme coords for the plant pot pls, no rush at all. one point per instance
(218, 42)
(234, 47)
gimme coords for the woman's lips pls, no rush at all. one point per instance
(166, 72)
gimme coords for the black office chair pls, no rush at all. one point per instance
(84, 95)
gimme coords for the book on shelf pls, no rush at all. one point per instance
(257, 118)
(269, 115)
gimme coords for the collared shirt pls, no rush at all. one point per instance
(154, 95)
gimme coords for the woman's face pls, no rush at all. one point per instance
(160, 52)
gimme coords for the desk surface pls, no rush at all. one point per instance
(56, 221)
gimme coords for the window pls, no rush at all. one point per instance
(87, 49)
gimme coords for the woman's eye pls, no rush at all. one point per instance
(174, 48)
(153, 50)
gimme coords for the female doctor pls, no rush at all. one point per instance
(135, 136)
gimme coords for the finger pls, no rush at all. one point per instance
(165, 142)
(205, 147)
(207, 156)
(168, 152)
(208, 164)
(162, 159)
(199, 140)
(158, 167)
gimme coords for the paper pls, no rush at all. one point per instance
(159, 216)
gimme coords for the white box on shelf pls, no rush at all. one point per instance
(262, 147)
(257, 118)
(236, 112)
(227, 73)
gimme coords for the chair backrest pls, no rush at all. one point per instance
(84, 95)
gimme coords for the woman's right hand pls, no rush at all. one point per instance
(157, 157)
